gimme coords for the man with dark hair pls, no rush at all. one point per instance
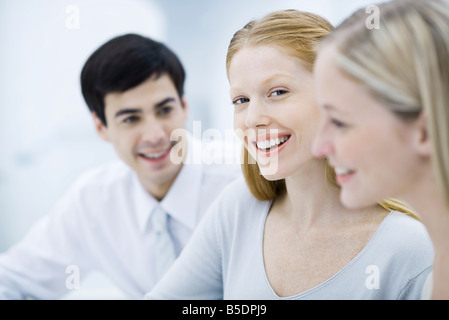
(128, 219)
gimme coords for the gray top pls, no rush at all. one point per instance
(223, 260)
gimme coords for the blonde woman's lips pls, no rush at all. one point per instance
(343, 175)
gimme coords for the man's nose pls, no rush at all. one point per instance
(154, 132)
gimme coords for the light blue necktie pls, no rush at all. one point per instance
(164, 247)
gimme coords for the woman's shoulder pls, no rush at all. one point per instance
(238, 194)
(406, 227)
(236, 202)
(402, 251)
(405, 236)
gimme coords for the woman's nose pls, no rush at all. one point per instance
(322, 146)
(256, 115)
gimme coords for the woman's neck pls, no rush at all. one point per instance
(425, 198)
(430, 205)
(311, 200)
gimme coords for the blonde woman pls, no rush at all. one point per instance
(281, 233)
(385, 99)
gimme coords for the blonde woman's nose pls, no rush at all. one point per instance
(322, 147)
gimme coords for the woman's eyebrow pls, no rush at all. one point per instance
(331, 108)
(276, 77)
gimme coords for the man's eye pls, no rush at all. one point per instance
(240, 101)
(165, 110)
(131, 119)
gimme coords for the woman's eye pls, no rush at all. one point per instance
(240, 101)
(338, 123)
(278, 92)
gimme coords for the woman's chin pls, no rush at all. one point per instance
(354, 202)
(271, 174)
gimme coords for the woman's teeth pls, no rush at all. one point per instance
(267, 144)
(342, 171)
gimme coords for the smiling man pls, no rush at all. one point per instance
(139, 125)
(132, 218)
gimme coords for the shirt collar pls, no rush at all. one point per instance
(181, 201)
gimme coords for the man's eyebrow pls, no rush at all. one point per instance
(138, 110)
(164, 102)
(126, 111)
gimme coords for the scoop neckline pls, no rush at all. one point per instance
(325, 282)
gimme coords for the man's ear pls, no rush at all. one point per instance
(422, 138)
(101, 129)
(185, 107)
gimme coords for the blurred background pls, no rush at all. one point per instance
(46, 134)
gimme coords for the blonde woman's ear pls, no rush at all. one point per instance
(423, 144)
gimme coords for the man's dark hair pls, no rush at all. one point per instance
(123, 63)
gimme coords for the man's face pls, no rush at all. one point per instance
(139, 124)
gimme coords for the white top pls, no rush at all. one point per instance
(101, 224)
(224, 258)
(428, 288)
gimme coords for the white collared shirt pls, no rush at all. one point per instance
(102, 223)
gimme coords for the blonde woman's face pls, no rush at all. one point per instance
(275, 112)
(375, 154)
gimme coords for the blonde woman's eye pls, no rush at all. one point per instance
(338, 124)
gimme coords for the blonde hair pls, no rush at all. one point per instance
(404, 65)
(297, 34)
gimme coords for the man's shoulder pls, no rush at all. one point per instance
(104, 176)
(238, 189)
(228, 170)
(101, 187)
